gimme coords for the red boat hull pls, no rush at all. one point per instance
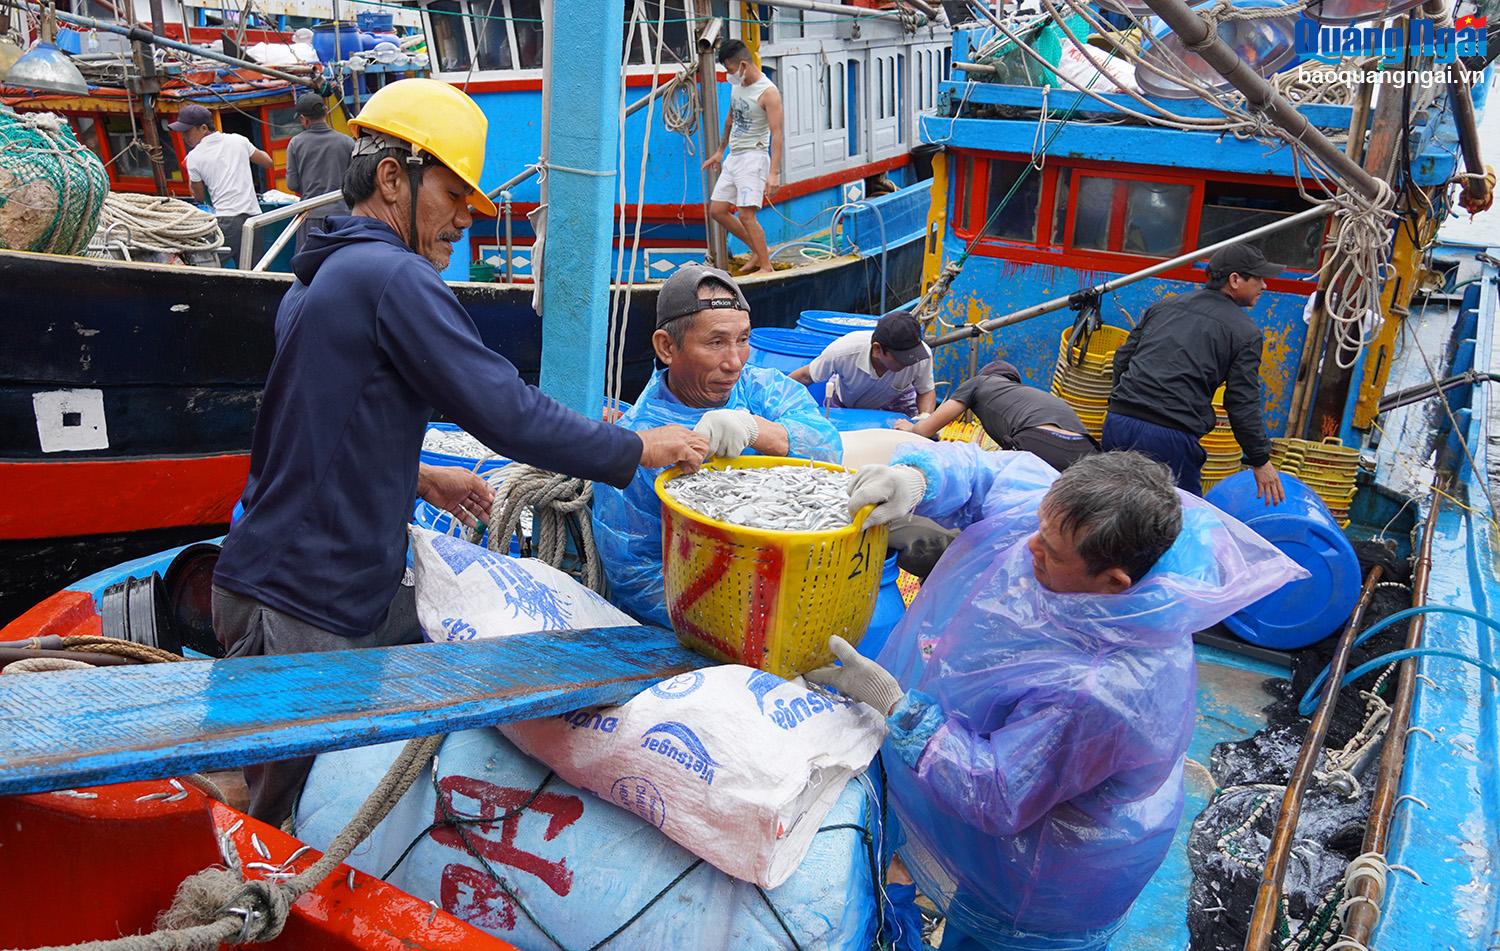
(122, 858)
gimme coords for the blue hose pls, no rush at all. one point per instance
(1309, 699)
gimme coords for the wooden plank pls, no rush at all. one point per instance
(71, 728)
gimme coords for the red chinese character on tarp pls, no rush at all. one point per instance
(470, 893)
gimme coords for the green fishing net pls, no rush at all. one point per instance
(51, 185)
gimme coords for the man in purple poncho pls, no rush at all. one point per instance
(1040, 690)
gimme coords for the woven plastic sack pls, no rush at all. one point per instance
(52, 187)
(1057, 765)
(466, 592)
(736, 765)
(580, 867)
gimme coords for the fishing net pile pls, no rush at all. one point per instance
(1228, 844)
(51, 185)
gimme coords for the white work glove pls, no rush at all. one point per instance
(859, 679)
(893, 490)
(729, 431)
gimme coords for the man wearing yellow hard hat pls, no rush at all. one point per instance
(369, 341)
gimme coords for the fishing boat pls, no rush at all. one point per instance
(161, 369)
(1043, 195)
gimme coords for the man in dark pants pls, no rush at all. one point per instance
(369, 341)
(1184, 349)
(1015, 416)
(316, 160)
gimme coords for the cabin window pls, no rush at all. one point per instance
(527, 21)
(128, 161)
(87, 131)
(1130, 216)
(1016, 221)
(491, 35)
(674, 30)
(784, 24)
(450, 41)
(1231, 208)
(283, 122)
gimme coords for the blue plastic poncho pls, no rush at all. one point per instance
(1035, 762)
(627, 524)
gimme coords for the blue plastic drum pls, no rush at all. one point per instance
(834, 323)
(1301, 612)
(786, 350)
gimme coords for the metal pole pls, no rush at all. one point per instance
(1468, 133)
(1203, 38)
(287, 234)
(1361, 916)
(1268, 897)
(1058, 303)
(506, 211)
(144, 35)
(148, 87)
(708, 122)
(843, 11)
(254, 222)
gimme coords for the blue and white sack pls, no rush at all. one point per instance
(466, 592)
(736, 765)
(577, 869)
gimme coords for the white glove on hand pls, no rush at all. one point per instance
(859, 679)
(728, 431)
(893, 490)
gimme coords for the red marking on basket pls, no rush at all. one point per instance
(762, 605)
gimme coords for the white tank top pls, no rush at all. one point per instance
(751, 130)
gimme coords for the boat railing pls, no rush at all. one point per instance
(297, 211)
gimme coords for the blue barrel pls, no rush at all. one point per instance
(834, 323)
(372, 22)
(786, 350)
(349, 41)
(448, 459)
(852, 420)
(1301, 612)
(889, 609)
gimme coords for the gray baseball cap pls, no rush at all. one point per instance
(191, 116)
(678, 296)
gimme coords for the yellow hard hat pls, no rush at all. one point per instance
(435, 118)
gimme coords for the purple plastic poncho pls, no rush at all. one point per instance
(627, 524)
(1036, 760)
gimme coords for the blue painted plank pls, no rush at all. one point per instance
(115, 724)
(1061, 98)
(1169, 148)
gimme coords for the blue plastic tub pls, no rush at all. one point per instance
(429, 516)
(889, 609)
(852, 420)
(786, 350)
(448, 459)
(1302, 612)
(834, 323)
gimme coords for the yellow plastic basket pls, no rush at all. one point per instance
(766, 599)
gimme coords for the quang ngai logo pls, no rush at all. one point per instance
(1392, 44)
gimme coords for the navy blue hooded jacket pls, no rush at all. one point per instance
(368, 341)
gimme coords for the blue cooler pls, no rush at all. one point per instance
(786, 350)
(1301, 612)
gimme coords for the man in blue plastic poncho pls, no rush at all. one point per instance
(1040, 689)
(703, 339)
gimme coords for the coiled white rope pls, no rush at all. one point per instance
(154, 223)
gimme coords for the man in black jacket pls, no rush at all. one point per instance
(1185, 348)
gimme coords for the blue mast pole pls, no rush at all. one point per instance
(582, 142)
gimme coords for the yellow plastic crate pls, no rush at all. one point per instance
(766, 599)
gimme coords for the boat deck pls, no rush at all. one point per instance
(1230, 705)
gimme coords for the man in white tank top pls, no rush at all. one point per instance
(752, 138)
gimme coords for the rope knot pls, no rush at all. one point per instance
(216, 894)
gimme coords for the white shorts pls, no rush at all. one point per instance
(742, 180)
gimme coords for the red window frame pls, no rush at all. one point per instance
(971, 195)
